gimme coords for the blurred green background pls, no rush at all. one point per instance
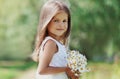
(95, 32)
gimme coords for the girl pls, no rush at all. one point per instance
(51, 43)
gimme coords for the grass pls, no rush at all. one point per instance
(101, 70)
(12, 69)
(8, 73)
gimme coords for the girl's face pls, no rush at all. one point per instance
(58, 25)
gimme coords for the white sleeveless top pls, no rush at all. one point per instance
(58, 60)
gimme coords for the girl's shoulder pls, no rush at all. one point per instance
(49, 40)
(49, 45)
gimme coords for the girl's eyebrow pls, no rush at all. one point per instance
(58, 18)
(54, 18)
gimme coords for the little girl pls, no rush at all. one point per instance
(51, 43)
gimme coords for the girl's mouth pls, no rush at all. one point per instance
(60, 29)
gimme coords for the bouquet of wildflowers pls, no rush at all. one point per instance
(77, 62)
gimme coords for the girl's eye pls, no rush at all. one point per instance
(64, 20)
(56, 20)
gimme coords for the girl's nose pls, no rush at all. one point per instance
(61, 24)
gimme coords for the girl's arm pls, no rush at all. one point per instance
(50, 48)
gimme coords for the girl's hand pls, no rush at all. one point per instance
(71, 74)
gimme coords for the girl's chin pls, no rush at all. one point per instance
(59, 35)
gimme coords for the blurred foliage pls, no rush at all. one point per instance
(18, 25)
(95, 28)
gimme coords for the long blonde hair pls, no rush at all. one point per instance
(48, 11)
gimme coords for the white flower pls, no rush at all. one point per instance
(77, 62)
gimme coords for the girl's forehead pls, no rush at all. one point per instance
(61, 13)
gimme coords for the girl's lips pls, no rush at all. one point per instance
(59, 29)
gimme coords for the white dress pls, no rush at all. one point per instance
(58, 60)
